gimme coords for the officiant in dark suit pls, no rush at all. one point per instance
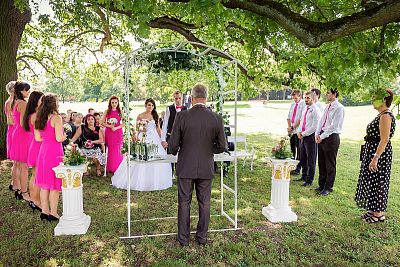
(197, 134)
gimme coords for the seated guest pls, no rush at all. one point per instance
(97, 117)
(78, 120)
(92, 137)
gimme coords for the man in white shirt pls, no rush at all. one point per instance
(169, 118)
(328, 140)
(318, 103)
(306, 134)
(293, 121)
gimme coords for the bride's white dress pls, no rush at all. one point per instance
(145, 176)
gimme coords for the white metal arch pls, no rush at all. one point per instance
(133, 59)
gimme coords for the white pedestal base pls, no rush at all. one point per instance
(279, 215)
(75, 227)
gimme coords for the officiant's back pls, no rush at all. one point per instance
(199, 132)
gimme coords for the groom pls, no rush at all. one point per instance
(197, 134)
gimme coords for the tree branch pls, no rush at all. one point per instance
(73, 38)
(382, 38)
(38, 60)
(106, 28)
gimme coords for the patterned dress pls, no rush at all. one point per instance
(373, 187)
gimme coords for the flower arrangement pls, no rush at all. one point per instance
(112, 121)
(282, 149)
(89, 144)
(73, 156)
(67, 128)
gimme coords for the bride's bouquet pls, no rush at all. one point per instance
(141, 125)
(112, 121)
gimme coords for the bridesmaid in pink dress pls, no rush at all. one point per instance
(19, 148)
(10, 124)
(113, 133)
(49, 130)
(34, 146)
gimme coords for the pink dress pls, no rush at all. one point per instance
(50, 155)
(20, 137)
(34, 146)
(114, 142)
(10, 129)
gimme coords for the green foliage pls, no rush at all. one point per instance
(73, 156)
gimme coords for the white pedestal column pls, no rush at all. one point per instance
(279, 210)
(73, 220)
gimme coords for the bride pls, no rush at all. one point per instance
(146, 176)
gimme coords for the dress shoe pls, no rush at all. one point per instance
(306, 184)
(318, 189)
(182, 244)
(325, 192)
(201, 243)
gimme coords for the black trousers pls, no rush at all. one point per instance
(295, 147)
(203, 195)
(327, 153)
(308, 157)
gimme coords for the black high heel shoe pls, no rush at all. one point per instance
(52, 218)
(34, 207)
(18, 194)
(44, 216)
(11, 188)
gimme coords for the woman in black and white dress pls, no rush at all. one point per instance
(376, 162)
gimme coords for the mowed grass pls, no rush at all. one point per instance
(328, 232)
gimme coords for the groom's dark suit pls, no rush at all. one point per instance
(197, 134)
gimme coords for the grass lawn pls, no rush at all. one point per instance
(328, 232)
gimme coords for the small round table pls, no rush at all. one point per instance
(279, 210)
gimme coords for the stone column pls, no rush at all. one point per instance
(73, 220)
(279, 210)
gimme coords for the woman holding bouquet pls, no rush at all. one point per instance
(150, 176)
(29, 118)
(19, 148)
(49, 130)
(92, 137)
(112, 121)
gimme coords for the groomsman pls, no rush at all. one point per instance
(306, 134)
(319, 104)
(293, 121)
(169, 118)
(327, 138)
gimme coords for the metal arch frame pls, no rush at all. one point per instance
(131, 60)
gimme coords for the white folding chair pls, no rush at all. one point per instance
(245, 153)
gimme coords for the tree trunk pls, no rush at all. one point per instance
(12, 25)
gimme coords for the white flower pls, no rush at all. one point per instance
(67, 128)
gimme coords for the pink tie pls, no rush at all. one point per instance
(294, 112)
(303, 126)
(326, 116)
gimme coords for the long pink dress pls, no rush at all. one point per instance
(10, 129)
(114, 142)
(50, 155)
(34, 146)
(20, 137)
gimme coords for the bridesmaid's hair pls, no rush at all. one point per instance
(110, 108)
(46, 108)
(389, 99)
(18, 88)
(10, 87)
(154, 111)
(31, 107)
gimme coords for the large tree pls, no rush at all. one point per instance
(339, 43)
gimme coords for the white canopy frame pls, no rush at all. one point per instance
(134, 59)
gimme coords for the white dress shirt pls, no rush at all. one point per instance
(299, 111)
(331, 120)
(310, 120)
(165, 123)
